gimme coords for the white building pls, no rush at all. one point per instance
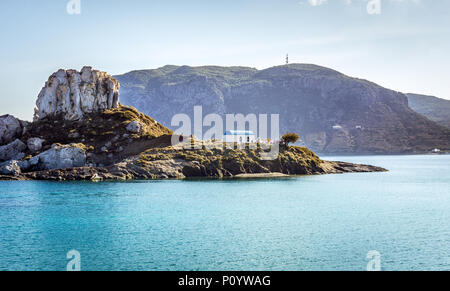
(239, 136)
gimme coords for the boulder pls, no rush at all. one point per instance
(24, 165)
(71, 94)
(10, 168)
(19, 156)
(35, 144)
(10, 128)
(135, 127)
(34, 161)
(12, 151)
(62, 157)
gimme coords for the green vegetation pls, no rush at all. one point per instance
(290, 138)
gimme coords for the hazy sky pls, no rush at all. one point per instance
(404, 48)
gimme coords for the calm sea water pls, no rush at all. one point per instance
(304, 223)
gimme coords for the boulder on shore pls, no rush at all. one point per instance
(62, 157)
(12, 151)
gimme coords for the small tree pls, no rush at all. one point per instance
(290, 138)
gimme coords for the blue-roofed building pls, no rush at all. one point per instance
(239, 136)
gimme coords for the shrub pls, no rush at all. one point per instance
(290, 138)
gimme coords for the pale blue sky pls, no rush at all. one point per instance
(405, 48)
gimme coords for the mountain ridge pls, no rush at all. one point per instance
(333, 113)
(434, 108)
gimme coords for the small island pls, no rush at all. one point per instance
(81, 131)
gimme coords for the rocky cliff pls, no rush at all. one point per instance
(72, 94)
(333, 113)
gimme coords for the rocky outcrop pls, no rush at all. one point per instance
(12, 151)
(62, 157)
(10, 128)
(72, 94)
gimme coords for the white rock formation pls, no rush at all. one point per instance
(10, 128)
(12, 151)
(62, 157)
(72, 94)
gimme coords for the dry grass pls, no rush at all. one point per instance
(233, 158)
(96, 129)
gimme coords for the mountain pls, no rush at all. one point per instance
(433, 108)
(332, 112)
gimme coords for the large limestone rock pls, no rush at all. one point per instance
(10, 168)
(12, 151)
(10, 128)
(62, 157)
(72, 94)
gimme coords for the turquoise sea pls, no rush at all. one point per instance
(304, 223)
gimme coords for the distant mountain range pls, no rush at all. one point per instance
(333, 113)
(433, 108)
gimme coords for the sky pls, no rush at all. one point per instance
(400, 44)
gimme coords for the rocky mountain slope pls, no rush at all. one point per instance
(433, 108)
(333, 113)
(82, 132)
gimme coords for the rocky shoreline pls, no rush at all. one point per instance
(167, 162)
(127, 172)
(81, 132)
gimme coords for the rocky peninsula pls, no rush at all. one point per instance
(80, 131)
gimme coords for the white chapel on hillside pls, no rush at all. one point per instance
(239, 136)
